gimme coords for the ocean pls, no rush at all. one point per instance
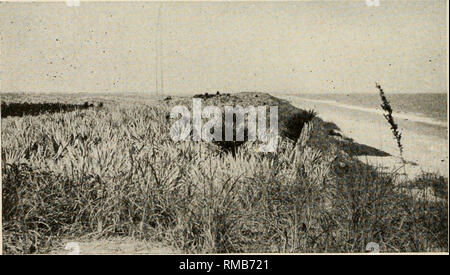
(426, 108)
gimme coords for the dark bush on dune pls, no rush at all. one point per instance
(34, 109)
(207, 95)
(291, 120)
(232, 145)
(295, 123)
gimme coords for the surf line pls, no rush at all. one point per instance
(404, 116)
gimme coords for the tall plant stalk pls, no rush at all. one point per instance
(386, 106)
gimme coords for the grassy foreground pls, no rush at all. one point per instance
(115, 172)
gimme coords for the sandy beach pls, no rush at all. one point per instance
(425, 144)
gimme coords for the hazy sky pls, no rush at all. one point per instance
(308, 47)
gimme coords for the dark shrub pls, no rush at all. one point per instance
(34, 109)
(295, 123)
(232, 145)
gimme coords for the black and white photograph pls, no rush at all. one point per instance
(224, 127)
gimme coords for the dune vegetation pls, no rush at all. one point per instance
(114, 171)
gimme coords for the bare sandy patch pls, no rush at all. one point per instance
(117, 245)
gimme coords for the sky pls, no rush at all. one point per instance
(287, 47)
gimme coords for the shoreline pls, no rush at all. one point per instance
(425, 146)
(399, 115)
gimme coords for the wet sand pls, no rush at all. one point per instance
(424, 143)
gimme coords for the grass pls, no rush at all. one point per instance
(114, 172)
